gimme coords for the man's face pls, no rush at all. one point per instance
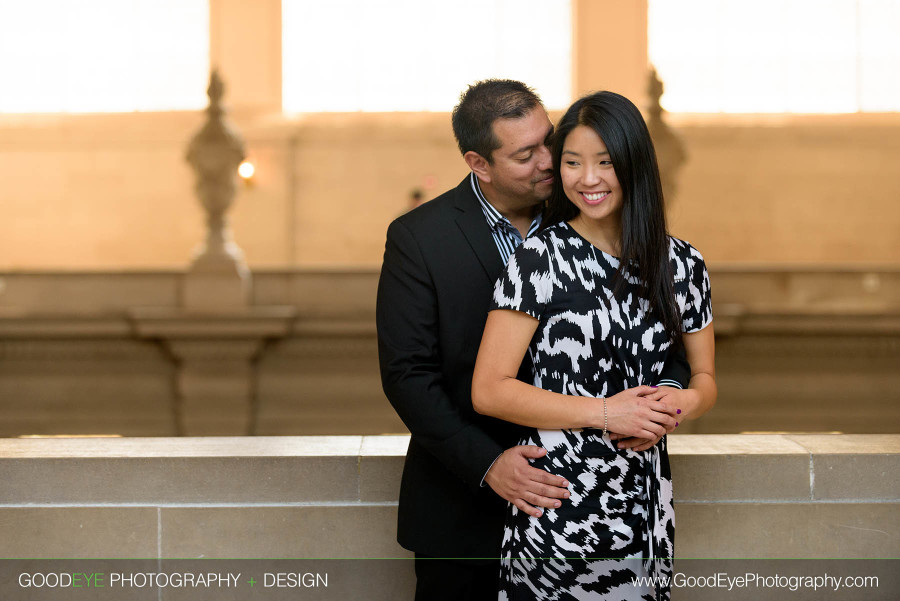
(522, 171)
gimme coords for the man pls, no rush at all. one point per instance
(440, 264)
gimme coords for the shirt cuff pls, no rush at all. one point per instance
(667, 382)
(483, 483)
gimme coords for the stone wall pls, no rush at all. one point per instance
(802, 350)
(113, 191)
(742, 496)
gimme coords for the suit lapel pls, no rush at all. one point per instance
(473, 225)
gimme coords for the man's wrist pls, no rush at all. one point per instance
(484, 478)
(670, 383)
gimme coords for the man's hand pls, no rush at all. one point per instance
(636, 444)
(526, 487)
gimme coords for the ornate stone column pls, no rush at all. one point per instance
(218, 278)
(670, 152)
(215, 336)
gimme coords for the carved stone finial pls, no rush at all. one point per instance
(655, 89)
(215, 91)
(218, 275)
(670, 152)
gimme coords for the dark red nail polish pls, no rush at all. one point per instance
(678, 412)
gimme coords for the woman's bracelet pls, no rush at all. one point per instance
(605, 420)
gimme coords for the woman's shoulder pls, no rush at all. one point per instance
(683, 249)
(683, 256)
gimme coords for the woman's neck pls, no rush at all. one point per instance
(605, 235)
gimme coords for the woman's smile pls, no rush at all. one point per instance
(594, 198)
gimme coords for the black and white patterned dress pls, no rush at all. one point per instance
(589, 343)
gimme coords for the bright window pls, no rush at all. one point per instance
(777, 56)
(412, 55)
(103, 55)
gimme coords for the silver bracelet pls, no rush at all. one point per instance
(605, 420)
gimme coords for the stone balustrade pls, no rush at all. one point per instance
(347, 292)
(797, 349)
(737, 496)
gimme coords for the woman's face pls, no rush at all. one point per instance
(588, 178)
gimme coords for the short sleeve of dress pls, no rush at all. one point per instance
(697, 312)
(526, 283)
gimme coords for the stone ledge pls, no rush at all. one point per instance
(142, 448)
(855, 444)
(736, 496)
(323, 531)
(802, 530)
(367, 469)
(79, 532)
(843, 295)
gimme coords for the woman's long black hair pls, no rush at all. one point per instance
(645, 245)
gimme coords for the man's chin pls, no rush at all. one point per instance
(542, 193)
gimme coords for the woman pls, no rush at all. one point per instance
(597, 299)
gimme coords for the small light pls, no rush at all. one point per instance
(246, 170)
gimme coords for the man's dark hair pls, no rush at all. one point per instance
(483, 103)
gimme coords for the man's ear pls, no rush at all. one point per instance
(479, 165)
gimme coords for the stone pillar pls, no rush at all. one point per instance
(218, 278)
(215, 335)
(609, 47)
(215, 383)
(215, 355)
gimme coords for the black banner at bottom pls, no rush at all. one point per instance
(393, 579)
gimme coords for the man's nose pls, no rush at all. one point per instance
(545, 161)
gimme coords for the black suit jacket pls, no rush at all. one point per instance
(440, 265)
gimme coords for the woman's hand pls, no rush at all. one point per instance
(689, 403)
(671, 395)
(638, 412)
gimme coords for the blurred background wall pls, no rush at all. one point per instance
(792, 201)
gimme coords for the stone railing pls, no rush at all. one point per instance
(350, 292)
(737, 496)
(108, 353)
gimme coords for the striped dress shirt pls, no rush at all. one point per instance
(506, 236)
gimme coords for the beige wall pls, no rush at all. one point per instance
(791, 189)
(114, 192)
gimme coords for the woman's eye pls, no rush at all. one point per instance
(572, 163)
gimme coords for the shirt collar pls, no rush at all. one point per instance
(492, 215)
